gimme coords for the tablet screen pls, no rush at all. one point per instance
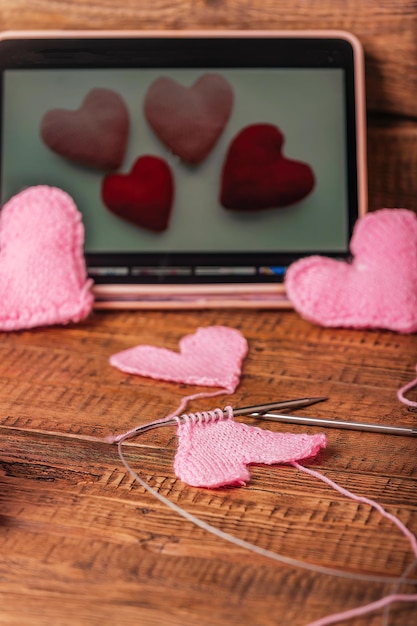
(191, 160)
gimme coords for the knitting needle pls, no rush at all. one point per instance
(326, 423)
(262, 409)
(256, 410)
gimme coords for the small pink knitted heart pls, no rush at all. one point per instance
(377, 290)
(43, 277)
(211, 356)
(213, 454)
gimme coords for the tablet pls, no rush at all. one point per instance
(203, 163)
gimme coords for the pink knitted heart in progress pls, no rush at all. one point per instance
(378, 289)
(213, 454)
(211, 356)
(43, 278)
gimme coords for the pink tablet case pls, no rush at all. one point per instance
(114, 296)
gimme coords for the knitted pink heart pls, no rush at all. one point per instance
(189, 121)
(42, 270)
(213, 454)
(211, 357)
(378, 289)
(94, 135)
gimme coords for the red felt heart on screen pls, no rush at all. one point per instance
(211, 357)
(189, 120)
(144, 196)
(378, 289)
(256, 175)
(94, 135)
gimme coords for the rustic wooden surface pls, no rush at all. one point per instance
(82, 544)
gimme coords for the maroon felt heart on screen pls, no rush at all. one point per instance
(144, 196)
(94, 135)
(189, 120)
(256, 175)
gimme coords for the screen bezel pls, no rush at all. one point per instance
(207, 50)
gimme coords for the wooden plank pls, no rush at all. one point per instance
(77, 531)
(91, 536)
(81, 543)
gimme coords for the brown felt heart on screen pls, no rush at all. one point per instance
(144, 196)
(94, 135)
(256, 174)
(189, 120)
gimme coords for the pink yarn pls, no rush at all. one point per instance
(377, 290)
(403, 390)
(216, 453)
(343, 616)
(43, 277)
(362, 499)
(334, 618)
(211, 357)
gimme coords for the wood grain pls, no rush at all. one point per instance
(83, 544)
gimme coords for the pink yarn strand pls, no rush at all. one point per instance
(397, 586)
(401, 393)
(407, 533)
(364, 609)
(386, 600)
(180, 408)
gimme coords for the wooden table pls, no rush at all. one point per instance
(83, 544)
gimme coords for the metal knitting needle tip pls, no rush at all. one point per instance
(389, 429)
(260, 409)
